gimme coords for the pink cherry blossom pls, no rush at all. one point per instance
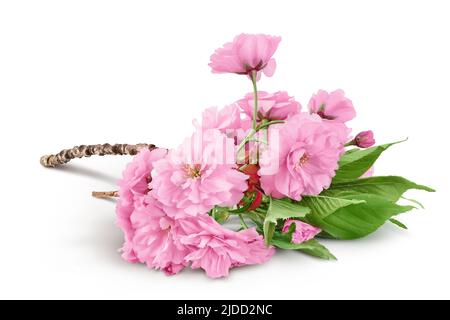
(155, 240)
(132, 189)
(229, 120)
(303, 231)
(332, 106)
(228, 117)
(216, 249)
(271, 106)
(307, 154)
(168, 244)
(198, 175)
(247, 53)
(364, 139)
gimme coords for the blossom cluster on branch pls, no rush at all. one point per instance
(289, 175)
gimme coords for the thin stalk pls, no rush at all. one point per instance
(244, 225)
(253, 132)
(255, 98)
(350, 143)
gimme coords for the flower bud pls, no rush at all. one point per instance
(364, 139)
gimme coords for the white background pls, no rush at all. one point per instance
(81, 72)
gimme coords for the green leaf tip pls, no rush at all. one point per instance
(398, 223)
(389, 187)
(414, 201)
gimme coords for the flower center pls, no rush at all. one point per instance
(321, 113)
(193, 171)
(303, 160)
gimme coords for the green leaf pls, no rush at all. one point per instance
(389, 187)
(398, 223)
(281, 209)
(326, 205)
(311, 247)
(355, 162)
(359, 220)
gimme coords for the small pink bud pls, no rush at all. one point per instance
(364, 139)
(303, 231)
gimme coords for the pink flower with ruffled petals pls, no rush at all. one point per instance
(155, 241)
(199, 175)
(247, 53)
(229, 120)
(132, 190)
(168, 244)
(271, 106)
(307, 154)
(216, 249)
(223, 119)
(332, 106)
(303, 231)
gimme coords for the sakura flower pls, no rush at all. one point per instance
(228, 120)
(132, 189)
(246, 54)
(216, 249)
(155, 240)
(332, 106)
(306, 153)
(303, 231)
(228, 117)
(271, 106)
(168, 244)
(198, 175)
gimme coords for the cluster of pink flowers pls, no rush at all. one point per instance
(166, 195)
(170, 236)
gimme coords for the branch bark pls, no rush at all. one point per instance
(83, 151)
(105, 194)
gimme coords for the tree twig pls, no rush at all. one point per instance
(105, 194)
(82, 151)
